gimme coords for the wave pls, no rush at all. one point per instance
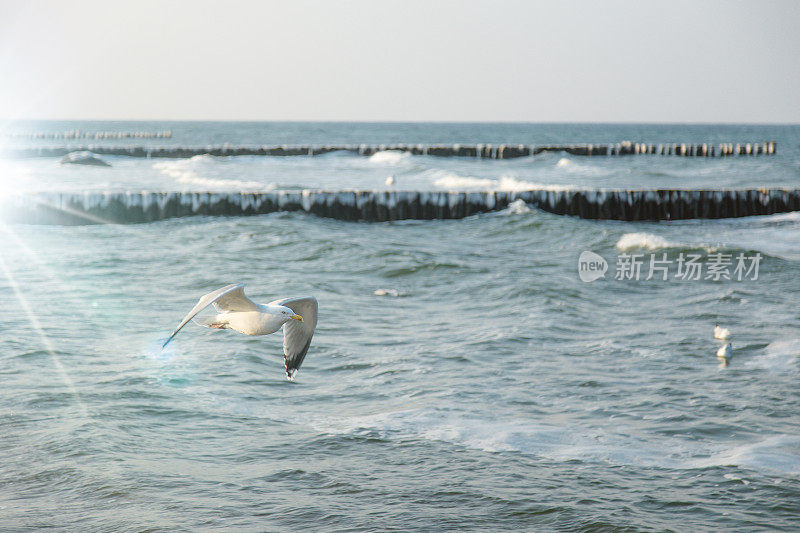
(780, 355)
(770, 235)
(567, 165)
(188, 172)
(517, 207)
(748, 246)
(449, 180)
(389, 157)
(777, 453)
(648, 241)
(453, 181)
(772, 454)
(778, 219)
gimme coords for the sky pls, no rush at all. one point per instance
(500, 60)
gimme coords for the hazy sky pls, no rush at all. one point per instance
(592, 61)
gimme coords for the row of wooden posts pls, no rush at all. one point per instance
(80, 134)
(380, 206)
(482, 151)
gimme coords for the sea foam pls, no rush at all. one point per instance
(452, 181)
(389, 157)
(517, 207)
(777, 453)
(188, 172)
(648, 241)
(778, 356)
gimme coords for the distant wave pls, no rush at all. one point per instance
(449, 180)
(187, 172)
(568, 166)
(389, 157)
(453, 181)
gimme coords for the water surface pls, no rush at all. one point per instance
(495, 390)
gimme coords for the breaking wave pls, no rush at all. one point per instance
(189, 172)
(647, 241)
(453, 181)
(389, 157)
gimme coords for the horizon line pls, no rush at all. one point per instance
(343, 121)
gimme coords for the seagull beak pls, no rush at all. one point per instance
(297, 317)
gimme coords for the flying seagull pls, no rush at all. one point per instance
(298, 316)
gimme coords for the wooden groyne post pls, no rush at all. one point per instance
(380, 206)
(481, 151)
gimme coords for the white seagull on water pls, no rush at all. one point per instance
(298, 316)
(725, 351)
(721, 333)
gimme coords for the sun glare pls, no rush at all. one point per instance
(36, 325)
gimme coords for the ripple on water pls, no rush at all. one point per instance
(496, 391)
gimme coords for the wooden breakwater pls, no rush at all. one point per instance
(480, 151)
(80, 134)
(378, 206)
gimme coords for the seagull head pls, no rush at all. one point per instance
(288, 314)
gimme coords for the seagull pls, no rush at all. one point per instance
(721, 333)
(390, 181)
(725, 351)
(298, 316)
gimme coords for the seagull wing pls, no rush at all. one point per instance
(297, 335)
(232, 298)
(228, 298)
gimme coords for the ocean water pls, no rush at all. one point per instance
(484, 386)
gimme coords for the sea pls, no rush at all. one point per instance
(470, 375)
